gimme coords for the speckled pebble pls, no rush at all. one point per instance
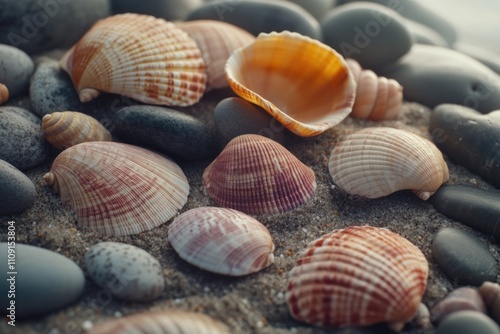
(17, 191)
(45, 281)
(130, 273)
(22, 142)
(16, 68)
(464, 258)
(468, 322)
(168, 9)
(234, 116)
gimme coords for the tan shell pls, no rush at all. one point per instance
(376, 162)
(138, 56)
(304, 84)
(223, 241)
(4, 94)
(256, 175)
(357, 276)
(118, 189)
(377, 98)
(68, 128)
(490, 292)
(217, 41)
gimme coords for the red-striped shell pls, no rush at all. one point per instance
(357, 276)
(256, 175)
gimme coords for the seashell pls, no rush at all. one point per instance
(461, 299)
(377, 98)
(376, 162)
(256, 175)
(162, 322)
(304, 84)
(422, 318)
(217, 40)
(222, 241)
(4, 94)
(490, 292)
(138, 56)
(68, 128)
(118, 189)
(357, 276)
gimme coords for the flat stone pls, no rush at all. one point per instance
(464, 258)
(16, 68)
(168, 9)
(316, 8)
(17, 191)
(487, 57)
(424, 35)
(468, 322)
(45, 281)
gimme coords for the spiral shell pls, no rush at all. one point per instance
(377, 98)
(223, 241)
(118, 189)
(4, 94)
(461, 299)
(357, 276)
(68, 128)
(256, 175)
(138, 56)
(304, 84)
(376, 162)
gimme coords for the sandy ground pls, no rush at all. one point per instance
(255, 303)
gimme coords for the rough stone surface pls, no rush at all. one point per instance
(17, 192)
(16, 68)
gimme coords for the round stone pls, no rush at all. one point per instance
(424, 35)
(17, 191)
(468, 322)
(463, 258)
(16, 68)
(372, 34)
(168, 9)
(128, 272)
(487, 57)
(44, 281)
(316, 8)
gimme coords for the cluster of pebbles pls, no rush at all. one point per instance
(73, 276)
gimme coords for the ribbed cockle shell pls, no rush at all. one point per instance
(4, 94)
(376, 162)
(256, 175)
(118, 189)
(223, 241)
(357, 276)
(139, 56)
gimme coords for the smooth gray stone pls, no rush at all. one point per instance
(487, 57)
(372, 34)
(468, 322)
(168, 9)
(45, 281)
(433, 75)
(258, 16)
(36, 26)
(464, 259)
(316, 8)
(16, 68)
(424, 35)
(17, 191)
(167, 130)
(22, 142)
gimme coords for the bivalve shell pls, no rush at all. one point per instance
(68, 128)
(138, 56)
(118, 189)
(4, 94)
(357, 276)
(256, 175)
(304, 84)
(223, 241)
(376, 162)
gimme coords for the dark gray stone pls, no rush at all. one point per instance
(168, 9)
(169, 131)
(487, 57)
(16, 68)
(316, 8)
(372, 34)
(17, 192)
(464, 258)
(424, 35)
(468, 322)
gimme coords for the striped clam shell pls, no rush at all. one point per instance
(138, 56)
(4, 93)
(376, 162)
(357, 276)
(222, 241)
(118, 189)
(68, 128)
(256, 175)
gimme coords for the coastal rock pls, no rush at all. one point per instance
(463, 258)
(424, 35)
(461, 299)
(128, 272)
(17, 191)
(16, 68)
(316, 8)
(487, 57)
(168, 9)
(45, 281)
(467, 322)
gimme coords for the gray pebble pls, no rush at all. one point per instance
(468, 322)
(487, 57)
(463, 258)
(424, 35)
(16, 68)
(45, 281)
(17, 191)
(22, 142)
(168, 9)
(167, 130)
(316, 8)
(128, 272)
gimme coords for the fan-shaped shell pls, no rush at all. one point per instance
(68, 128)
(304, 84)
(223, 241)
(4, 94)
(256, 175)
(377, 98)
(376, 162)
(118, 189)
(138, 56)
(358, 276)
(217, 40)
